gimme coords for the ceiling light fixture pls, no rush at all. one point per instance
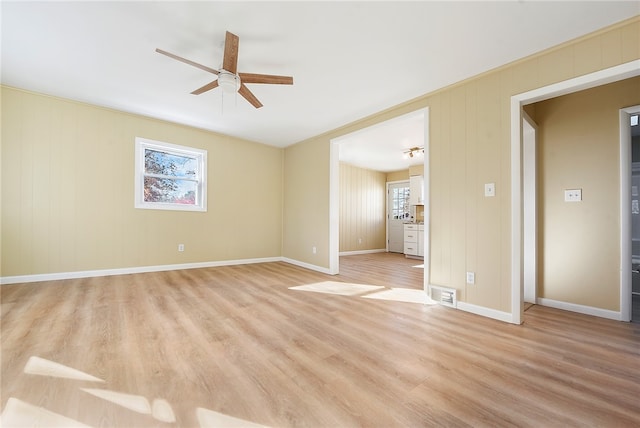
(229, 82)
(414, 152)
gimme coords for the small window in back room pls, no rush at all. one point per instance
(170, 177)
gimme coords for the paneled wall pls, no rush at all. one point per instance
(362, 209)
(470, 145)
(68, 192)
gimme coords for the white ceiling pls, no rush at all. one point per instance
(348, 59)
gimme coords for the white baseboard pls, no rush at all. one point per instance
(307, 265)
(353, 253)
(485, 312)
(125, 271)
(581, 309)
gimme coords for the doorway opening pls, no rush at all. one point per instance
(368, 144)
(602, 77)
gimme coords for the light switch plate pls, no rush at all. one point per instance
(490, 189)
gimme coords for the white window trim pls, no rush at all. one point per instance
(200, 155)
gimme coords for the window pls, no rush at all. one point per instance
(170, 177)
(400, 201)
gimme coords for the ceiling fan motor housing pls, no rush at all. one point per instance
(228, 81)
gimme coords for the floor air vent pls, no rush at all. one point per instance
(444, 296)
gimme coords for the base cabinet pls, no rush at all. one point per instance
(414, 240)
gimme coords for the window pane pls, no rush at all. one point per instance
(171, 191)
(400, 203)
(161, 163)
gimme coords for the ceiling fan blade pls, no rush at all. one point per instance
(186, 61)
(230, 59)
(248, 95)
(265, 78)
(205, 88)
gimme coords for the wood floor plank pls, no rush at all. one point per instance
(237, 340)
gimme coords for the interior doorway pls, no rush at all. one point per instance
(602, 77)
(371, 146)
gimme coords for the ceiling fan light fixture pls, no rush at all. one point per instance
(229, 82)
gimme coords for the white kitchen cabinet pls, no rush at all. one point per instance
(416, 190)
(414, 240)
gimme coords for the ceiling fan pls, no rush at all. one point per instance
(228, 77)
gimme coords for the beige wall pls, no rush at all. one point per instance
(68, 202)
(306, 205)
(362, 209)
(469, 142)
(398, 175)
(578, 147)
(416, 170)
(67, 188)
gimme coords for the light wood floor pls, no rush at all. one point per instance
(200, 344)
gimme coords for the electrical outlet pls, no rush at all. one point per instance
(471, 278)
(181, 247)
(313, 250)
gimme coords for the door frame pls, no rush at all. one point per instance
(626, 250)
(598, 78)
(334, 196)
(530, 208)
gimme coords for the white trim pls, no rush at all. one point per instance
(602, 77)
(126, 271)
(580, 83)
(355, 253)
(426, 186)
(485, 312)
(307, 265)
(529, 205)
(517, 276)
(334, 207)
(626, 250)
(581, 309)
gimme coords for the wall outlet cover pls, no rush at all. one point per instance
(573, 195)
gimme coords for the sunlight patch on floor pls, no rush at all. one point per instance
(419, 266)
(209, 419)
(137, 403)
(18, 413)
(162, 411)
(408, 295)
(340, 288)
(40, 366)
